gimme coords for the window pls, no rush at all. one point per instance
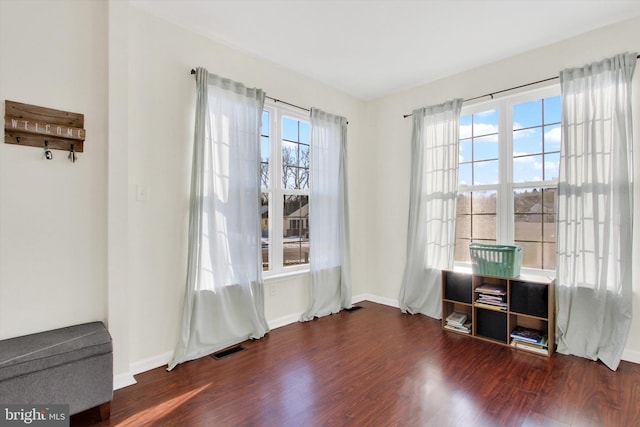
(285, 189)
(509, 156)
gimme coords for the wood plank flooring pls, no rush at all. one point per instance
(378, 367)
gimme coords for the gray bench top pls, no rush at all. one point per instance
(35, 352)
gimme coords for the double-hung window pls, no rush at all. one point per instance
(284, 166)
(509, 154)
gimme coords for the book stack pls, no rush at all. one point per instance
(489, 296)
(530, 339)
(458, 321)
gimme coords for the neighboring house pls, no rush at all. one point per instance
(297, 223)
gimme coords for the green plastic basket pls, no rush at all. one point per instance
(496, 260)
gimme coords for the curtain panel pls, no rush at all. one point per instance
(329, 257)
(224, 299)
(432, 207)
(595, 211)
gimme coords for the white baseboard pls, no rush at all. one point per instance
(150, 363)
(144, 365)
(358, 298)
(123, 380)
(293, 318)
(631, 356)
(284, 321)
(378, 300)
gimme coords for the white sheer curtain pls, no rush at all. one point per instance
(595, 209)
(224, 299)
(432, 207)
(328, 216)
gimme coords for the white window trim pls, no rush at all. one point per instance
(504, 205)
(276, 112)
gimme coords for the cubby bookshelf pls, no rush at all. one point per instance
(514, 304)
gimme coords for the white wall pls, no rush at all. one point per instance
(161, 116)
(52, 213)
(390, 138)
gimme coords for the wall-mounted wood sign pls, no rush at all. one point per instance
(42, 127)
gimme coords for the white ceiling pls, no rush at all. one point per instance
(369, 49)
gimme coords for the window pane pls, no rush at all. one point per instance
(303, 179)
(527, 169)
(483, 227)
(552, 110)
(485, 172)
(290, 129)
(480, 225)
(549, 200)
(462, 250)
(528, 227)
(464, 151)
(295, 230)
(527, 114)
(304, 167)
(535, 226)
(464, 174)
(484, 202)
(264, 175)
(303, 159)
(465, 126)
(527, 141)
(549, 228)
(551, 166)
(295, 178)
(463, 227)
(485, 148)
(289, 153)
(463, 204)
(305, 132)
(531, 254)
(264, 162)
(552, 135)
(289, 177)
(265, 123)
(264, 148)
(295, 158)
(549, 256)
(527, 201)
(264, 210)
(485, 123)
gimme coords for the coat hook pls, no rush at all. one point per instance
(72, 154)
(47, 153)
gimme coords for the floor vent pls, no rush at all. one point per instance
(353, 308)
(227, 352)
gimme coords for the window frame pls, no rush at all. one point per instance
(505, 224)
(276, 194)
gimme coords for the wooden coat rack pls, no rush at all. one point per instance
(42, 127)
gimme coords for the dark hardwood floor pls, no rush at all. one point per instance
(378, 367)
